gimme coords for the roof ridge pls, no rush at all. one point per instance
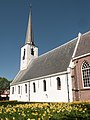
(64, 44)
(57, 47)
(85, 33)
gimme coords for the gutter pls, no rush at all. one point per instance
(43, 77)
(29, 89)
(68, 88)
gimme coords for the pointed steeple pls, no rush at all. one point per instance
(29, 51)
(29, 34)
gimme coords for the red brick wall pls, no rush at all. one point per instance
(79, 92)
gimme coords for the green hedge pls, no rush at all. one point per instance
(13, 103)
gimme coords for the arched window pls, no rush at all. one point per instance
(32, 51)
(34, 87)
(58, 83)
(12, 90)
(25, 88)
(44, 85)
(86, 74)
(18, 89)
(24, 54)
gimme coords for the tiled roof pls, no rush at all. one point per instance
(52, 62)
(84, 45)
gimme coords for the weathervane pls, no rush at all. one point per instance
(30, 5)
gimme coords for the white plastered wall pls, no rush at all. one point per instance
(22, 96)
(51, 94)
(28, 57)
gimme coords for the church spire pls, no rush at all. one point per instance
(29, 34)
(29, 51)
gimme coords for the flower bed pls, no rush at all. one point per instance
(46, 111)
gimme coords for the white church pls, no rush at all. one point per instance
(60, 75)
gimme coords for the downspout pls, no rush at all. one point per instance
(68, 87)
(29, 90)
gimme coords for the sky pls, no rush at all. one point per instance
(55, 22)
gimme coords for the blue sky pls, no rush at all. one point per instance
(54, 23)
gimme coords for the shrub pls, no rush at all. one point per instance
(45, 111)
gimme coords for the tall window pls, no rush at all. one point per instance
(25, 88)
(86, 74)
(18, 89)
(34, 87)
(24, 55)
(58, 83)
(32, 51)
(12, 90)
(44, 85)
(21, 90)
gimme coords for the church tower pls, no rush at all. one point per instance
(29, 51)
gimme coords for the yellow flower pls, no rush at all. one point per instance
(38, 118)
(7, 119)
(13, 118)
(28, 119)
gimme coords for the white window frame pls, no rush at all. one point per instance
(85, 74)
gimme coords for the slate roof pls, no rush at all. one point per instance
(52, 62)
(84, 45)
